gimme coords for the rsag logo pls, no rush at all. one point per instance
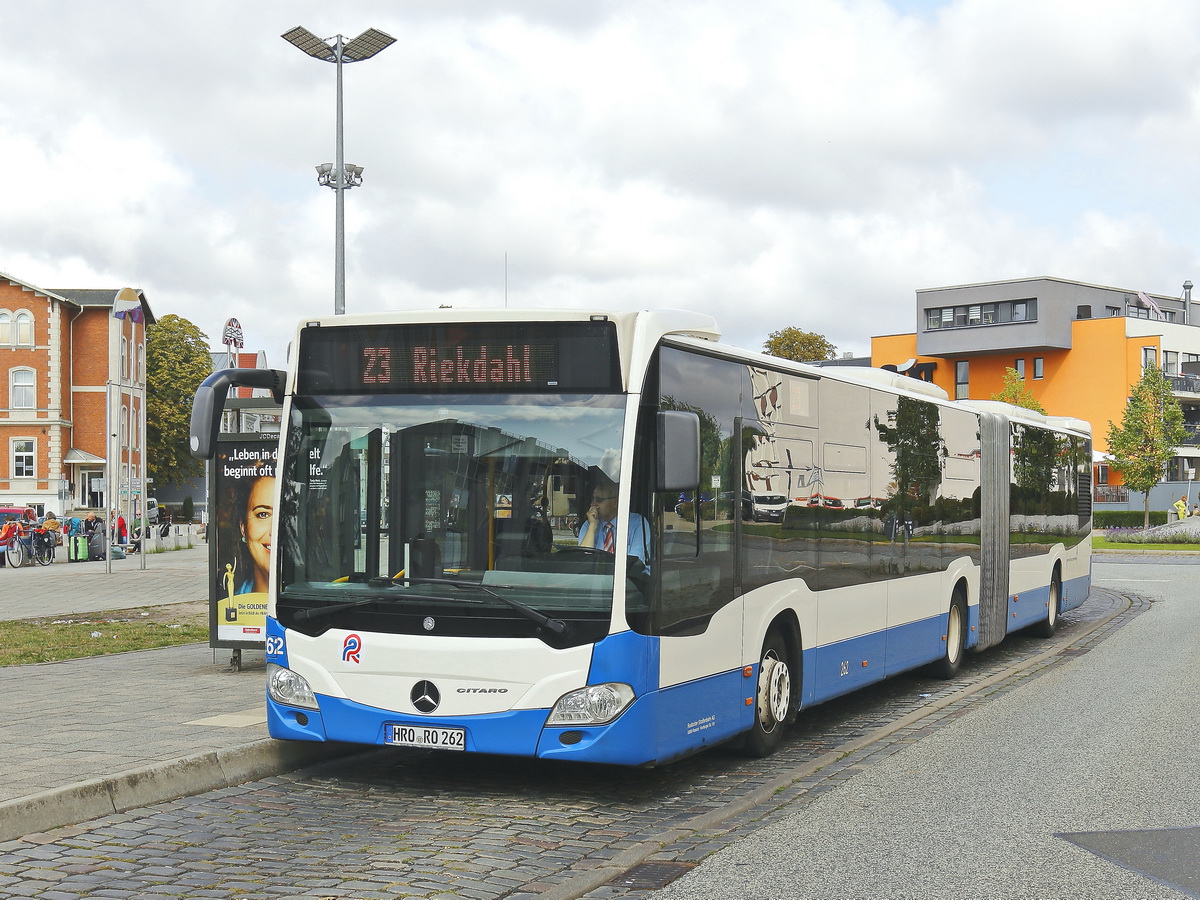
(350, 648)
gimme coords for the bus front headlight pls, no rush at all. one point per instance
(595, 704)
(286, 687)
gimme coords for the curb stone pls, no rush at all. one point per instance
(183, 777)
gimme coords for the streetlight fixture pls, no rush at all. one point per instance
(338, 175)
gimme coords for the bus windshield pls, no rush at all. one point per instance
(450, 515)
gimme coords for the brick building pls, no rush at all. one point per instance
(62, 350)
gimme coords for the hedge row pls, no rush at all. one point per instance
(1127, 518)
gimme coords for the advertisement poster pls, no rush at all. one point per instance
(241, 513)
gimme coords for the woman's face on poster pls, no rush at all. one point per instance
(256, 527)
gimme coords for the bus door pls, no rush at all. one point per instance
(697, 613)
(852, 602)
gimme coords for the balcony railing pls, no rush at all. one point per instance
(1103, 493)
(1185, 384)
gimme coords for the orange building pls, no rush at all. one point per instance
(1080, 348)
(64, 355)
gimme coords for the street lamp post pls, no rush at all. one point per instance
(339, 176)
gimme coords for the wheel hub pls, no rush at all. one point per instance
(774, 692)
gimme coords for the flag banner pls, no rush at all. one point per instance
(127, 305)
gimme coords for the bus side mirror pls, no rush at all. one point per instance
(678, 451)
(209, 403)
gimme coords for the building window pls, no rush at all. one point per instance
(981, 314)
(1102, 473)
(21, 392)
(962, 380)
(23, 456)
(1149, 357)
(1170, 362)
(124, 359)
(1019, 365)
(1038, 367)
(24, 329)
(1113, 311)
(5, 327)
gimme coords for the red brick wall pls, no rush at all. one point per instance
(84, 362)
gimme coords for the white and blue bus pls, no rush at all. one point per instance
(429, 588)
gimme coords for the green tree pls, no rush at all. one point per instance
(917, 449)
(1150, 430)
(177, 360)
(801, 346)
(1016, 391)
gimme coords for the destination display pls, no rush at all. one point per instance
(554, 357)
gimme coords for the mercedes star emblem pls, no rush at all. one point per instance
(425, 696)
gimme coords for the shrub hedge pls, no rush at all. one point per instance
(1127, 518)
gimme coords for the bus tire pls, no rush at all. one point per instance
(955, 638)
(774, 698)
(1048, 625)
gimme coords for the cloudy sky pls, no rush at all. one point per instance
(772, 162)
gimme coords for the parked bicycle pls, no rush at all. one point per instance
(29, 543)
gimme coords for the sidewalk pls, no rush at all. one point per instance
(88, 737)
(176, 576)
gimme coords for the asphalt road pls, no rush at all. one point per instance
(1104, 743)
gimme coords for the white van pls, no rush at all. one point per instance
(767, 507)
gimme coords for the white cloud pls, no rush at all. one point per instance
(772, 163)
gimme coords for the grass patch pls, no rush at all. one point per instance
(1102, 543)
(55, 638)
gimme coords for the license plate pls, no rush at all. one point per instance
(427, 736)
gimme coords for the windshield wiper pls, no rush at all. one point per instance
(558, 626)
(320, 611)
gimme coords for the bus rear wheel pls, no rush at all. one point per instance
(956, 638)
(774, 698)
(1047, 626)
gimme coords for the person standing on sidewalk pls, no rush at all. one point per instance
(120, 531)
(1181, 509)
(52, 528)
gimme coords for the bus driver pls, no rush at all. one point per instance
(599, 529)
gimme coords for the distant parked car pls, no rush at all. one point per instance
(868, 503)
(763, 507)
(825, 502)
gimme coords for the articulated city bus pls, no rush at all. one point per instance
(430, 586)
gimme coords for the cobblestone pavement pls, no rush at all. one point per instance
(429, 825)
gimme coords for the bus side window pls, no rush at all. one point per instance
(696, 556)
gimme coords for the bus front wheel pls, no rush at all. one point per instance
(773, 700)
